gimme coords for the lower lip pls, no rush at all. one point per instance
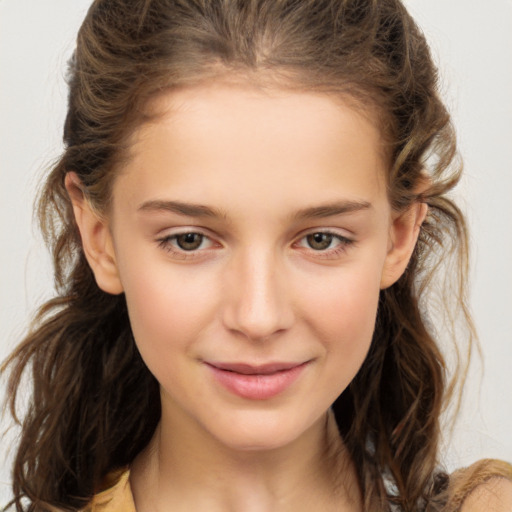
(258, 386)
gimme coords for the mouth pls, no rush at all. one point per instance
(257, 382)
(249, 369)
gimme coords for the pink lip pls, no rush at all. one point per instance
(259, 382)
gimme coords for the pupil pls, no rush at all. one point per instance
(189, 241)
(319, 241)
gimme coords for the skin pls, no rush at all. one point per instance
(272, 169)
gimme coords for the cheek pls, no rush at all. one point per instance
(352, 322)
(347, 300)
(168, 307)
(342, 314)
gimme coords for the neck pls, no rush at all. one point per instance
(195, 472)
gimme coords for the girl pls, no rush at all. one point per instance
(244, 224)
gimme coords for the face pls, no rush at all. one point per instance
(251, 234)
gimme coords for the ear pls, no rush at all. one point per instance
(96, 238)
(404, 232)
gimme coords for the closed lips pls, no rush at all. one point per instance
(247, 369)
(256, 382)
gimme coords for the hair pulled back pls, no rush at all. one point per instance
(95, 405)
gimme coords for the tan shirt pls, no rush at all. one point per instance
(118, 498)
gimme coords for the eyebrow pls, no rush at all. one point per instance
(331, 209)
(199, 210)
(188, 209)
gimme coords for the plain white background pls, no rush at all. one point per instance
(472, 43)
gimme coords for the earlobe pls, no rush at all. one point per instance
(404, 233)
(96, 238)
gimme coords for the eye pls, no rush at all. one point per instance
(187, 242)
(325, 243)
(320, 241)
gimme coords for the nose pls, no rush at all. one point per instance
(257, 301)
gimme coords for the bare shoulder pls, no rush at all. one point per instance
(494, 495)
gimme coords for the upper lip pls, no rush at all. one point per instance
(255, 369)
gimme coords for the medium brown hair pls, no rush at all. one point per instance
(95, 405)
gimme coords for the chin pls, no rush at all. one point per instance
(264, 432)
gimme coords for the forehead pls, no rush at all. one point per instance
(253, 141)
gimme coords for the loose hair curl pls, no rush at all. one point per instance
(95, 405)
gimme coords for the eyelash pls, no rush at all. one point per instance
(343, 244)
(168, 242)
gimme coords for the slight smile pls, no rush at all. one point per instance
(256, 382)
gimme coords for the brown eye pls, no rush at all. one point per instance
(189, 241)
(319, 241)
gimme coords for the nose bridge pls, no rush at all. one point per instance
(258, 304)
